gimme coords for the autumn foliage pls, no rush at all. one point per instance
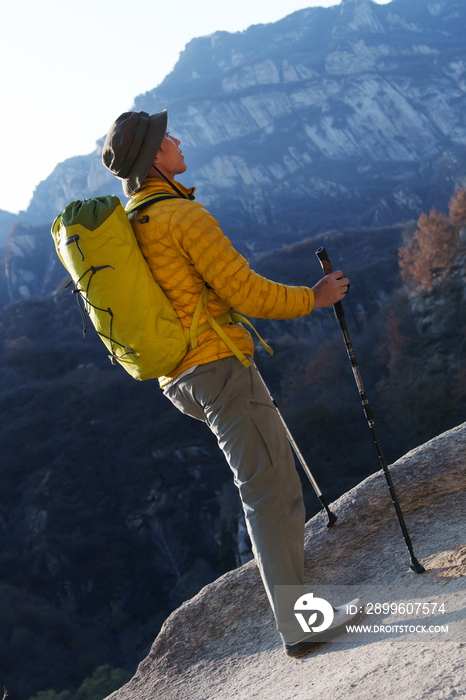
(433, 249)
(458, 209)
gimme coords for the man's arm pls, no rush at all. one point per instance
(230, 276)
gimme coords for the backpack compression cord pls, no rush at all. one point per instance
(82, 296)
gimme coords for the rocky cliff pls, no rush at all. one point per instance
(222, 644)
(349, 115)
(29, 266)
(329, 117)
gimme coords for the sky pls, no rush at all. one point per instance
(70, 68)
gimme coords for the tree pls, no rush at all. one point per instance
(458, 209)
(430, 254)
(432, 251)
(104, 680)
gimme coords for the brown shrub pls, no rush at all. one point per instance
(433, 249)
(457, 209)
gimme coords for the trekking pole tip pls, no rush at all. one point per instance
(332, 518)
(417, 567)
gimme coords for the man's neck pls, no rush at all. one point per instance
(162, 176)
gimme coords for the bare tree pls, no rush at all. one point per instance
(172, 552)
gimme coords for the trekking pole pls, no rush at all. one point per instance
(340, 315)
(332, 518)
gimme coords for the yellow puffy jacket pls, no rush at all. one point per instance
(185, 248)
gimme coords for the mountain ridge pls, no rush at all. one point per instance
(357, 103)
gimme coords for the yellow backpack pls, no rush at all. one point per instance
(95, 242)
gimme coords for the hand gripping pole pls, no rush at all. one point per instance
(332, 518)
(339, 313)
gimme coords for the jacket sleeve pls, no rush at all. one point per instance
(229, 274)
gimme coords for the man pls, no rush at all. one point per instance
(198, 269)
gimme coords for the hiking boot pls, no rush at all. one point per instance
(341, 619)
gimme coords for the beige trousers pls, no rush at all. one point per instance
(234, 403)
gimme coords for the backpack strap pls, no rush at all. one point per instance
(216, 325)
(133, 210)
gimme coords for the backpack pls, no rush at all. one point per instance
(95, 241)
(114, 285)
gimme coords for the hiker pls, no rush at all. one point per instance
(186, 250)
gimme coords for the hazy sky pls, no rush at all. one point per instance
(70, 68)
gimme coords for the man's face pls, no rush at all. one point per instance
(170, 160)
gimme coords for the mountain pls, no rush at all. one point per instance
(351, 115)
(344, 116)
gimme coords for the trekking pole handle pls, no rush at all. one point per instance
(324, 261)
(327, 269)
